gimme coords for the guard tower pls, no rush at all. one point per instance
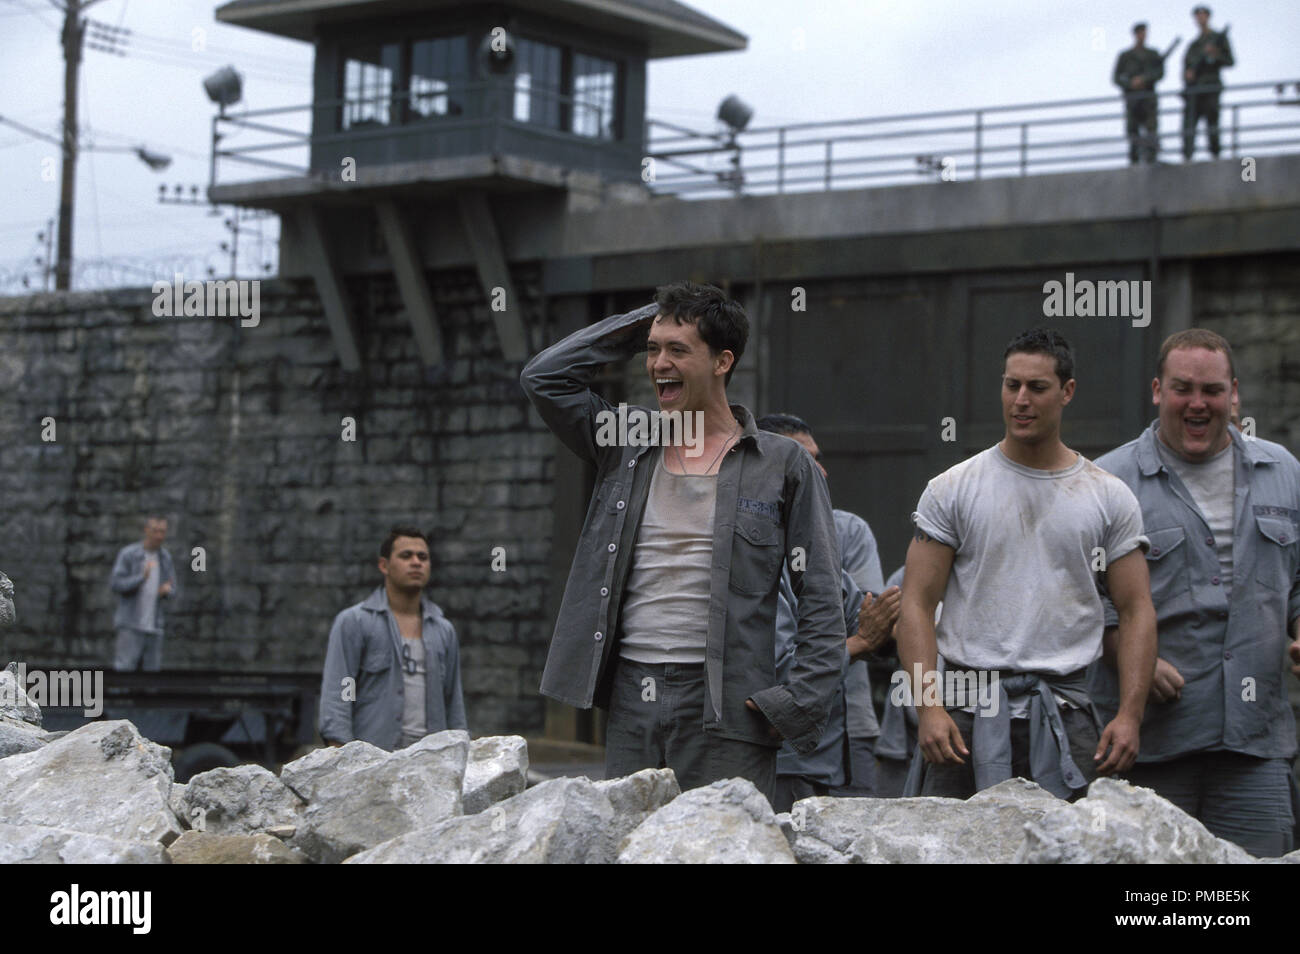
(446, 121)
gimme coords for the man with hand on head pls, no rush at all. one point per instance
(669, 614)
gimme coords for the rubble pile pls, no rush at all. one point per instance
(105, 794)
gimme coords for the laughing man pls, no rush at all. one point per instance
(668, 617)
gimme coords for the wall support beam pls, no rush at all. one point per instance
(493, 272)
(329, 285)
(411, 282)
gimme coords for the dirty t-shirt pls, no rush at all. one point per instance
(1023, 594)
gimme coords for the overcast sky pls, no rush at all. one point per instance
(822, 60)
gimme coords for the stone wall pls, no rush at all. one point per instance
(1254, 302)
(235, 435)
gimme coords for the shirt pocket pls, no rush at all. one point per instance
(376, 655)
(1275, 553)
(1167, 565)
(755, 556)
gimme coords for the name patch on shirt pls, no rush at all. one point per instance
(1286, 513)
(769, 510)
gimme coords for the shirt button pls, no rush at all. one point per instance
(604, 591)
(631, 463)
(1227, 655)
(599, 636)
(620, 505)
(1155, 551)
(1282, 538)
(1210, 540)
(614, 546)
(1215, 580)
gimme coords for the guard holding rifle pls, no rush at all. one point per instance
(1136, 73)
(1207, 54)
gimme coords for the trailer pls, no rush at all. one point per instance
(209, 718)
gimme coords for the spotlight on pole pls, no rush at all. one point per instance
(154, 160)
(736, 113)
(224, 87)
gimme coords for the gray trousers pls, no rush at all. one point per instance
(1241, 798)
(862, 770)
(958, 781)
(137, 650)
(656, 720)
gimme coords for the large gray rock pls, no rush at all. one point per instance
(561, 821)
(1119, 823)
(304, 774)
(636, 797)
(728, 822)
(205, 848)
(101, 779)
(238, 801)
(410, 789)
(987, 828)
(43, 845)
(14, 703)
(497, 769)
(18, 737)
(7, 613)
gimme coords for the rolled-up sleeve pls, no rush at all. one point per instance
(799, 708)
(558, 380)
(453, 698)
(342, 662)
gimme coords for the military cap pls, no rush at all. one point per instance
(1140, 25)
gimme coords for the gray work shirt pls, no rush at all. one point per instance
(128, 580)
(825, 764)
(771, 498)
(1231, 650)
(860, 559)
(363, 687)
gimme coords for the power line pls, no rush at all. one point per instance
(34, 12)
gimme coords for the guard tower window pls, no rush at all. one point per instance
(538, 83)
(369, 82)
(439, 70)
(594, 83)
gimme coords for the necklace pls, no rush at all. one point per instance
(681, 463)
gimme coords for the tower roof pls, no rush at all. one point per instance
(667, 27)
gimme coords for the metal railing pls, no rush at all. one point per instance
(1064, 135)
(956, 144)
(280, 141)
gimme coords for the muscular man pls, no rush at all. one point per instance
(1017, 541)
(669, 614)
(1137, 71)
(1223, 515)
(392, 666)
(1206, 56)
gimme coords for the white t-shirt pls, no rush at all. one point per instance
(1022, 594)
(1212, 484)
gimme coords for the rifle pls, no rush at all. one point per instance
(1196, 81)
(1172, 46)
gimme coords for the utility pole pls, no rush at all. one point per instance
(73, 31)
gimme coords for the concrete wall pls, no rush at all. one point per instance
(235, 434)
